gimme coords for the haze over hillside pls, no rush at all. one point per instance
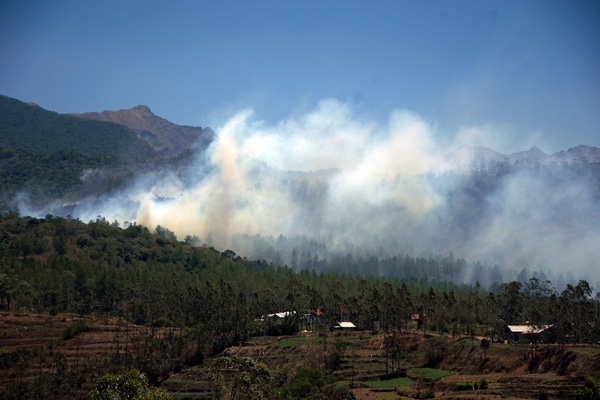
(330, 185)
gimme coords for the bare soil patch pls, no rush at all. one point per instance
(37, 337)
(511, 371)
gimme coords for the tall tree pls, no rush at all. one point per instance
(512, 302)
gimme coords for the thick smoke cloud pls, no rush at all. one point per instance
(312, 175)
(331, 176)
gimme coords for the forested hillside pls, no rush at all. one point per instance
(490, 217)
(62, 265)
(166, 138)
(29, 127)
(45, 156)
(196, 300)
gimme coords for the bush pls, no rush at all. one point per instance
(131, 384)
(543, 395)
(591, 391)
(483, 384)
(429, 394)
(463, 386)
(81, 325)
(305, 381)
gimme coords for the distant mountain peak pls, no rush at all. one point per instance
(475, 157)
(465, 156)
(142, 109)
(168, 139)
(579, 154)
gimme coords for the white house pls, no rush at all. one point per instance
(345, 326)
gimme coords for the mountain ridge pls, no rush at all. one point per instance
(478, 157)
(168, 139)
(31, 127)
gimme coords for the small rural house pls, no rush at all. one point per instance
(345, 326)
(279, 315)
(533, 333)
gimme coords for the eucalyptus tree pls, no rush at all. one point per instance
(580, 308)
(240, 378)
(7, 286)
(472, 304)
(405, 304)
(537, 306)
(446, 302)
(511, 298)
(130, 385)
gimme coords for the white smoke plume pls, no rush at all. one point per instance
(352, 166)
(331, 176)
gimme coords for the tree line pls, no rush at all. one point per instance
(64, 265)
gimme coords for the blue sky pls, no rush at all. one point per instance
(529, 70)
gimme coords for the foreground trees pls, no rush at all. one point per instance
(130, 385)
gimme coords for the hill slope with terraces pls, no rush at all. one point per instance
(36, 347)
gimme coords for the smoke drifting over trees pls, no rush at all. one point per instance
(357, 186)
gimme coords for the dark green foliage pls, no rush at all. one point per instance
(480, 385)
(45, 155)
(240, 378)
(139, 275)
(306, 381)
(591, 391)
(463, 386)
(333, 360)
(81, 325)
(436, 351)
(31, 128)
(483, 384)
(428, 394)
(48, 175)
(543, 395)
(130, 385)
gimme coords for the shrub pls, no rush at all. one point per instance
(591, 391)
(78, 326)
(463, 386)
(429, 394)
(131, 384)
(483, 384)
(543, 395)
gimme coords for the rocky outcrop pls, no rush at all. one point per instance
(168, 139)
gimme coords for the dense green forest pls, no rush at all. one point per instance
(62, 265)
(29, 127)
(198, 300)
(46, 156)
